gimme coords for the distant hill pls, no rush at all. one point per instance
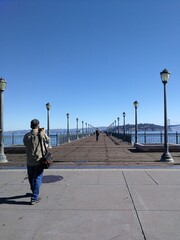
(143, 127)
(150, 127)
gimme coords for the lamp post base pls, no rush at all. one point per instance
(3, 158)
(166, 157)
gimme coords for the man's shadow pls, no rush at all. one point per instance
(12, 200)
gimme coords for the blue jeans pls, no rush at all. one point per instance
(35, 174)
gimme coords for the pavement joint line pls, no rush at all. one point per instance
(151, 178)
(99, 168)
(41, 224)
(138, 218)
(95, 169)
(87, 209)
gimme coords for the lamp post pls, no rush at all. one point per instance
(124, 130)
(136, 104)
(82, 128)
(3, 158)
(68, 138)
(118, 125)
(115, 126)
(48, 107)
(166, 156)
(86, 129)
(77, 128)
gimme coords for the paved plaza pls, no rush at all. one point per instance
(92, 204)
(95, 191)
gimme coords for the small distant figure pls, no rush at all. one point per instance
(97, 134)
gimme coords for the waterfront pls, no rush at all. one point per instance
(154, 137)
(58, 138)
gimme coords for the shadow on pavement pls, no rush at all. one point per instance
(51, 179)
(12, 200)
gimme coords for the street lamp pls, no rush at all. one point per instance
(82, 128)
(3, 158)
(68, 137)
(166, 156)
(136, 104)
(124, 130)
(86, 129)
(118, 124)
(89, 130)
(48, 107)
(115, 126)
(77, 128)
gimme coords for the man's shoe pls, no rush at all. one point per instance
(35, 201)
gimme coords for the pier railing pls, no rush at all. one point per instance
(149, 137)
(56, 139)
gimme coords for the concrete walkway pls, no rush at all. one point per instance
(92, 204)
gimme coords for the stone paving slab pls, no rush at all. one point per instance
(19, 178)
(142, 178)
(156, 197)
(160, 225)
(111, 177)
(85, 177)
(167, 177)
(20, 224)
(101, 197)
(90, 225)
(92, 204)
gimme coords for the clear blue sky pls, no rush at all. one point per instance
(89, 58)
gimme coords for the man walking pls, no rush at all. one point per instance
(97, 134)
